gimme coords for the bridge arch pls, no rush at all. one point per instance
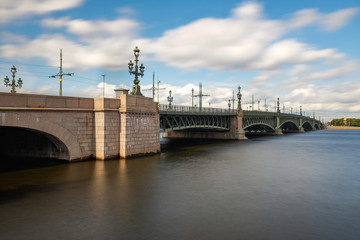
(62, 138)
(29, 143)
(307, 126)
(289, 126)
(259, 127)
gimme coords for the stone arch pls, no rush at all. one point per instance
(19, 142)
(53, 131)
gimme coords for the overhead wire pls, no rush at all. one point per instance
(48, 73)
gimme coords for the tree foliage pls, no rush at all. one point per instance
(354, 122)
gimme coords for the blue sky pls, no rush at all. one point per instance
(304, 52)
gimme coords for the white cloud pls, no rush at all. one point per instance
(230, 43)
(328, 22)
(291, 51)
(217, 98)
(243, 41)
(334, 72)
(126, 11)
(97, 91)
(302, 74)
(338, 97)
(246, 40)
(10, 10)
(97, 43)
(299, 68)
(263, 77)
(91, 31)
(338, 19)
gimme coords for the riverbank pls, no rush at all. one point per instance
(342, 127)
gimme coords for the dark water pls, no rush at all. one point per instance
(297, 186)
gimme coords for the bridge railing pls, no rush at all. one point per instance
(197, 110)
(272, 113)
(257, 113)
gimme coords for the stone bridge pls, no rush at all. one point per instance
(72, 128)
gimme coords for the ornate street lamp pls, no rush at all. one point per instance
(136, 86)
(13, 84)
(170, 99)
(239, 98)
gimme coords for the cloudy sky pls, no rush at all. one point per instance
(304, 52)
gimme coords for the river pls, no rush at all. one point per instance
(296, 186)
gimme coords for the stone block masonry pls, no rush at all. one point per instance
(139, 130)
(80, 128)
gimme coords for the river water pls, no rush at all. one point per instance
(296, 186)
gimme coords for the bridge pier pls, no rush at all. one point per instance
(139, 130)
(106, 128)
(278, 131)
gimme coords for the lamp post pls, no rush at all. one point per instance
(239, 98)
(170, 99)
(136, 86)
(13, 84)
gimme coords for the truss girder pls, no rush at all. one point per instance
(261, 121)
(259, 127)
(267, 121)
(182, 122)
(257, 121)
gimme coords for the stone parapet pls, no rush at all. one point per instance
(44, 101)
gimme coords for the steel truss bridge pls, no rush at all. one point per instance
(184, 118)
(260, 121)
(190, 118)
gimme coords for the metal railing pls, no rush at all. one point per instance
(191, 110)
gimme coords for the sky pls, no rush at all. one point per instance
(306, 53)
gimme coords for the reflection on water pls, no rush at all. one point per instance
(297, 186)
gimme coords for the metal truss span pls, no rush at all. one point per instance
(183, 118)
(186, 118)
(259, 121)
(183, 122)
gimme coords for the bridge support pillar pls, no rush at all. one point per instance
(106, 128)
(278, 131)
(139, 128)
(239, 133)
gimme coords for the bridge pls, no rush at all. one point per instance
(73, 128)
(190, 120)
